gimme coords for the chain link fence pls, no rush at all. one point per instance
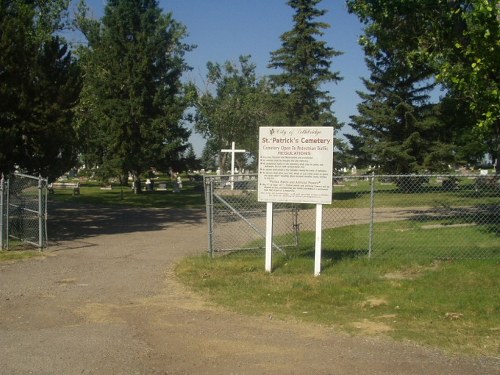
(435, 216)
(23, 210)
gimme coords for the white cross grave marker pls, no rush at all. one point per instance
(233, 151)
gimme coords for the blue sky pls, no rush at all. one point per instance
(225, 29)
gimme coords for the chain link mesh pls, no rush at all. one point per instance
(445, 216)
(24, 207)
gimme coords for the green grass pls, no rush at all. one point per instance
(452, 305)
(356, 194)
(403, 240)
(10, 255)
(413, 239)
(190, 196)
(18, 251)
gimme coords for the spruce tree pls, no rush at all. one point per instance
(133, 99)
(396, 124)
(39, 87)
(305, 62)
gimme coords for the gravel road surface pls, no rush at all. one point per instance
(104, 300)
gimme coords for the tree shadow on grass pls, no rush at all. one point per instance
(486, 216)
(328, 257)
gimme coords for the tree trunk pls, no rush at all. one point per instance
(222, 162)
(137, 185)
(497, 164)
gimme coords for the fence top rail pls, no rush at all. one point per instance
(463, 175)
(29, 176)
(230, 175)
(444, 175)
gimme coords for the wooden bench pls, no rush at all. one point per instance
(65, 185)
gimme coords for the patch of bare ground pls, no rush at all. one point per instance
(412, 273)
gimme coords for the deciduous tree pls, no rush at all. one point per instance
(232, 107)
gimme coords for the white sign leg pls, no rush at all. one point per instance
(317, 250)
(269, 237)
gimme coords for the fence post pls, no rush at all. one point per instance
(1, 211)
(208, 183)
(6, 203)
(45, 216)
(372, 199)
(40, 215)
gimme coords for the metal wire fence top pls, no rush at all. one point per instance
(417, 216)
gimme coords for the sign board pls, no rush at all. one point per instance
(295, 164)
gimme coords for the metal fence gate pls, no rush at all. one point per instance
(236, 221)
(438, 216)
(23, 210)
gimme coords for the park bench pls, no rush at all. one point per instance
(65, 185)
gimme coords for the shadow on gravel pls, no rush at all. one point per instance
(68, 222)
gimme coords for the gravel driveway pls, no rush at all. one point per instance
(104, 300)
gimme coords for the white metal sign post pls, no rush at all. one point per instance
(269, 237)
(233, 151)
(295, 166)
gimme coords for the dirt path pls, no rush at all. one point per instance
(104, 300)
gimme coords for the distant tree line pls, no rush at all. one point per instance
(117, 104)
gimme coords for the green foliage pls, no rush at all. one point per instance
(15, 255)
(470, 63)
(396, 125)
(459, 40)
(39, 87)
(132, 101)
(305, 62)
(190, 196)
(232, 108)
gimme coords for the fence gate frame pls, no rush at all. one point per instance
(18, 203)
(4, 222)
(209, 183)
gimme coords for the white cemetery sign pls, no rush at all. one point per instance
(295, 166)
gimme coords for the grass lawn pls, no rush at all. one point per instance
(452, 305)
(356, 194)
(190, 196)
(19, 251)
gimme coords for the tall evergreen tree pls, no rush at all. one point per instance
(396, 124)
(133, 99)
(468, 144)
(39, 86)
(305, 62)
